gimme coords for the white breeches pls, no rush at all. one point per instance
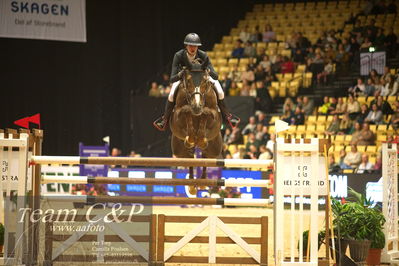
(218, 87)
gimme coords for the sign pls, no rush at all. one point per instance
(93, 151)
(62, 20)
(369, 61)
(13, 169)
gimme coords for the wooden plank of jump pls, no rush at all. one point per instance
(107, 238)
(154, 181)
(161, 239)
(264, 238)
(221, 260)
(90, 200)
(219, 240)
(93, 258)
(152, 161)
(226, 220)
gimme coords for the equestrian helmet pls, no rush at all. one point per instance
(192, 39)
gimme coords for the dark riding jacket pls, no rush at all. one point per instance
(180, 60)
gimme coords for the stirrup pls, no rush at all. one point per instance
(233, 120)
(160, 124)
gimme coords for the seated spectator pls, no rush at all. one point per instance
(234, 89)
(328, 70)
(342, 155)
(342, 56)
(308, 106)
(333, 167)
(288, 103)
(259, 73)
(299, 102)
(227, 135)
(365, 166)
(390, 88)
(165, 81)
(391, 43)
(263, 100)
(235, 75)
(265, 62)
(364, 112)
(271, 142)
(374, 76)
(375, 116)
(235, 137)
(248, 76)
(367, 137)
(253, 152)
(248, 90)
(333, 105)
(380, 38)
(298, 57)
(265, 136)
(251, 141)
(256, 35)
(287, 114)
(249, 50)
(334, 126)
(225, 82)
(287, 66)
(346, 125)
(303, 43)
(259, 131)
(366, 43)
(340, 107)
(395, 120)
(154, 90)
(297, 117)
(358, 89)
(353, 107)
(238, 51)
(265, 153)
(353, 158)
(370, 88)
(277, 63)
(324, 108)
(261, 118)
(356, 133)
(250, 127)
(269, 35)
(244, 34)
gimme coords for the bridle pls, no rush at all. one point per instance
(197, 91)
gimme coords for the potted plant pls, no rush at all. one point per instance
(361, 224)
(1, 237)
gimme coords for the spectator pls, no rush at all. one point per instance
(334, 126)
(287, 66)
(323, 110)
(234, 74)
(353, 158)
(390, 88)
(263, 100)
(395, 120)
(154, 90)
(225, 82)
(269, 35)
(303, 43)
(380, 38)
(367, 137)
(227, 135)
(356, 133)
(333, 105)
(299, 57)
(250, 127)
(276, 66)
(358, 89)
(391, 43)
(346, 125)
(238, 51)
(265, 63)
(378, 163)
(353, 107)
(248, 76)
(370, 88)
(256, 36)
(265, 153)
(374, 76)
(387, 73)
(259, 132)
(165, 81)
(342, 155)
(271, 142)
(375, 116)
(333, 167)
(364, 112)
(261, 118)
(234, 89)
(287, 114)
(365, 166)
(244, 34)
(328, 70)
(249, 50)
(252, 141)
(235, 137)
(383, 105)
(259, 73)
(265, 136)
(340, 107)
(297, 118)
(253, 152)
(308, 106)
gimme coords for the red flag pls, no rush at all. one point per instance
(24, 122)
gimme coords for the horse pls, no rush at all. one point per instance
(196, 120)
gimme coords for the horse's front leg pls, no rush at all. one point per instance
(189, 141)
(202, 140)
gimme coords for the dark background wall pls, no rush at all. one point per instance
(83, 90)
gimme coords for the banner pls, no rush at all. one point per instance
(62, 20)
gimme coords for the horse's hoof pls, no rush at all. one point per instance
(202, 144)
(192, 190)
(187, 143)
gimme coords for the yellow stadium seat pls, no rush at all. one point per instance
(348, 139)
(221, 62)
(321, 119)
(361, 148)
(373, 128)
(218, 47)
(275, 84)
(233, 62)
(311, 120)
(227, 39)
(282, 91)
(244, 61)
(279, 76)
(371, 148)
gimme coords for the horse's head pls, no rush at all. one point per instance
(196, 85)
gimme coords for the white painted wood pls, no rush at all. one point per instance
(246, 183)
(238, 240)
(64, 197)
(246, 202)
(100, 240)
(212, 239)
(130, 241)
(186, 239)
(73, 238)
(247, 163)
(56, 159)
(64, 179)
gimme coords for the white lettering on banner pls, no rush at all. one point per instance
(62, 20)
(338, 186)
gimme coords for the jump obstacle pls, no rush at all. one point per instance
(306, 167)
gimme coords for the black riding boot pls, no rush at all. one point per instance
(162, 122)
(233, 120)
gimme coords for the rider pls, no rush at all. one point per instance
(182, 59)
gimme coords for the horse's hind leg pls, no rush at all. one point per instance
(203, 175)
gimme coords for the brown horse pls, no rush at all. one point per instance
(196, 120)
